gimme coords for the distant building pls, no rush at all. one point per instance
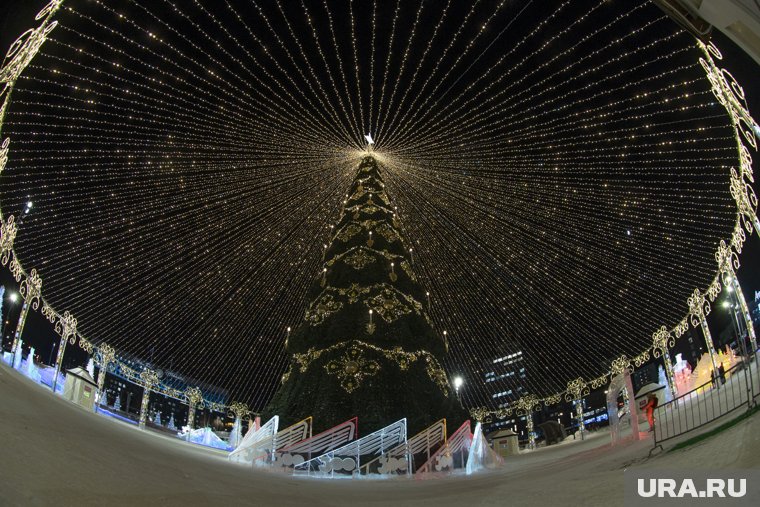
(504, 378)
(646, 374)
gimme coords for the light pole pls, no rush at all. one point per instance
(12, 299)
(52, 349)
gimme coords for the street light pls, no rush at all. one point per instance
(458, 381)
(26, 211)
(13, 299)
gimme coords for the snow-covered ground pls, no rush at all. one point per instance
(55, 453)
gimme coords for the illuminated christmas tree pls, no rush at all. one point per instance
(366, 346)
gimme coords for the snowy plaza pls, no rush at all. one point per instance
(125, 466)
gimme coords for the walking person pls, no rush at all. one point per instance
(722, 374)
(652, 403)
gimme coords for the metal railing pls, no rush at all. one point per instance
(735, 389)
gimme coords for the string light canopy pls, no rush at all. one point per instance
(561, 172)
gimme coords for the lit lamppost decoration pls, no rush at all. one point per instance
(104, 358)
(552, 399)
(662, 340)
(526, 406)
(681, 328)
(481, 414)
(21, 53)
(16, 59)
(48, 313)
(31, 290)
(641, 358)
(728, 263)
(28, 44)
(576, 390)
(730, 95)
(599, 381)
(4, 153)
(699, 308)
(66, 326)
(149, 380)
(746, 201)
(620, 366)
(194, 398)
(237, 410)
(8, 231)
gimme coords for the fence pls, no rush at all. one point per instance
(737, 388)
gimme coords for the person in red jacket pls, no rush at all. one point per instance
(652, 402)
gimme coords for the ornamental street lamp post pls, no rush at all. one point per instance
(579, 417)
(194, 398)
(30, 288)
(105, 357)
(149, 380)
(530, 428)
(238, 411)
(662, 340)
(67, 328)
(31, 291)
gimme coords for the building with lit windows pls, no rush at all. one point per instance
(504, 378)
